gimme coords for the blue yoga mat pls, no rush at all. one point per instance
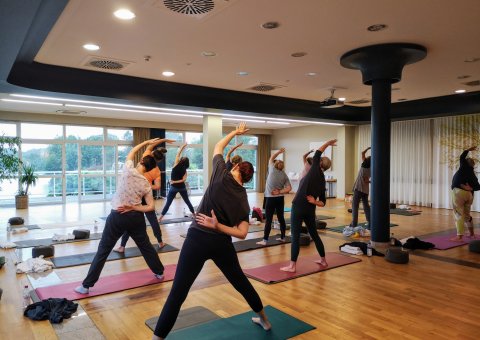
(240, 326)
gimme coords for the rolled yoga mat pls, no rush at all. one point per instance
(284, 326)
(107, 284)
(187, 318)
(79, 259)
(305, 266)
(48, 241)
(442, 242)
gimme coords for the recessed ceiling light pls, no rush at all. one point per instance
(471, 60)
(342, 99)
(402, 99)
(270, 25)
(395, 89)
(91, 47)
(242, 73)
(124, 14)
(298, 54)
(168, 73)
(209, 54)
(311, 74)
(464, 76)
(460, 91)
(377, 27)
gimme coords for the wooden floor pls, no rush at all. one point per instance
(429, 298)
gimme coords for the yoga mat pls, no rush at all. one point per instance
(48, 241)
(339, 229)
(252, 243)
(176, 220)
(405, 212)
(187, 318)
(240, 326)
(251, 229)
(79, 259)
(305, 266)
(442, 242)
(107, 284)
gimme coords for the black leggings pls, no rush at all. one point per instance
(171, 195)
(272, 205)
(199, 247)
(308, 216)
(152, 218)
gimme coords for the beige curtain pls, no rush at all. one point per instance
(140, 135)
(263, 155)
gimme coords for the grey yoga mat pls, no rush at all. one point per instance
(48, 241)
(187, 318)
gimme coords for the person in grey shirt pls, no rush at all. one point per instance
(277, 185)
(361, 189)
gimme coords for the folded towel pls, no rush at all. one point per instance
(351, 250)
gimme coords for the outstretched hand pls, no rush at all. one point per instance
(241, 129)
(207, 221)
(125, 208)
(311, 199)
(473, 148)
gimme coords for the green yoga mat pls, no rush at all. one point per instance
(188, 317)
(240, 326)
(339, 229)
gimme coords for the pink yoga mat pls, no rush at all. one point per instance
(443, 242)
(107, 284)
(305, 266)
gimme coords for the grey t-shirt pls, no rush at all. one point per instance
(362, 182)
(277, 179)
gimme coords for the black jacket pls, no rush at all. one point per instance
(52, 309)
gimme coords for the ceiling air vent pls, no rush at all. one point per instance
(107, 64)
(359, 101)
(189, 7)
(71, 112)
(472, 83)
(264, 87)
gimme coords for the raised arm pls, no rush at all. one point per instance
(136, 148)
(316, 157)
(364, 152)
(159, 141)
(179, 154)
(227, 158)
(222, 143)
(275, 155)
(306, 155)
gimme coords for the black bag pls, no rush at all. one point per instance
(16, 221)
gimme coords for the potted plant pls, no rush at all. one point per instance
(27, 178)
(9, 161)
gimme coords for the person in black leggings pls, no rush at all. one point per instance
(177, 182)
(222, 213)
(311, 187)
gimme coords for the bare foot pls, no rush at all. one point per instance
(119, 249)
(160, 218)
(457, 238)
(262, 243)
(265, 324)
(322, 262)
(281, 239)
(289, 268)
(161, 245)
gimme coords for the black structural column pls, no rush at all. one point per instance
(381, 65)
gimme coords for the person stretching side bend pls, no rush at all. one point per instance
(311, 187)
(222, 213)
(361, 189)
(127, 216)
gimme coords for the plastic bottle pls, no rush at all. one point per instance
(185, 212)
(369, 249)
(392, 240)
(26, 297)
(95, 225)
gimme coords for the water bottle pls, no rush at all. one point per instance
(369, 249)
(95, 225)
(392, 240)
(185, 213)
(26, 297)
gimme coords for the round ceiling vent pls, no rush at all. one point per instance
(106, 64)
(263, 88)
(189, 7)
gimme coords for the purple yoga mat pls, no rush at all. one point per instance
(443, 242)
(305, 266)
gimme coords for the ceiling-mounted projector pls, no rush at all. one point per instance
(331, 102)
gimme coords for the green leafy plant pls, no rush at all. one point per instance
(27, 178)
(9, 161)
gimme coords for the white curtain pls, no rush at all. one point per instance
(410, 161)
(451, 136)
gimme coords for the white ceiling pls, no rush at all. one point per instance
(323, 29)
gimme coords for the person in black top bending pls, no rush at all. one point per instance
(464, 183)
(311, 187)
(177, 182)
(222, 213)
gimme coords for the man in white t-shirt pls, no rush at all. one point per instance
(127, 216)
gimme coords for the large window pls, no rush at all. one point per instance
(73, 162)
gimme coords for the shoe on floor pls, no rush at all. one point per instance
(81, 290)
